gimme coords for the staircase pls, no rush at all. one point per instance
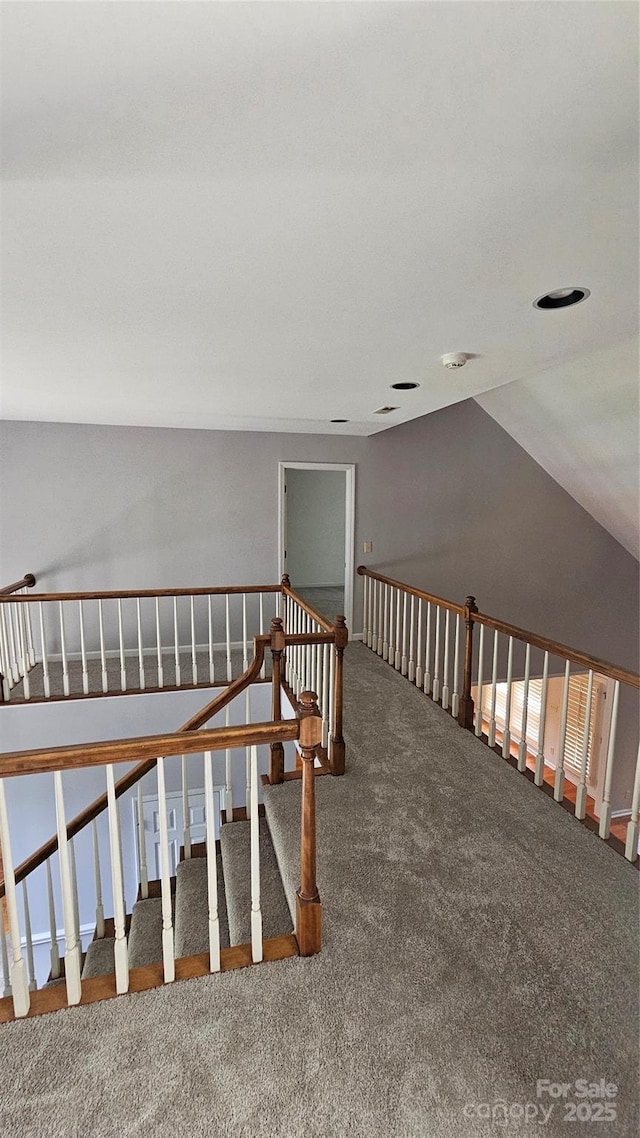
(189, 891)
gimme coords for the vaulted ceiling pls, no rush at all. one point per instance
(260, 216)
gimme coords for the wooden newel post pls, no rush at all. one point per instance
(308, 908)
(336, 742)
(465, 710)
(276, 764)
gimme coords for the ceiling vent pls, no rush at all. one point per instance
(385, 410)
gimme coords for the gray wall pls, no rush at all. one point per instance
(450, 501)
(315, 526)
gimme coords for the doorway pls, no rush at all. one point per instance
(317, 534)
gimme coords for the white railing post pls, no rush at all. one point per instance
(228, 794)
(397, 654)
(427, 652)
(228, 635)
(45, 657)
(168, 958)
(558, 781)
(539, 772)
(120, 951)
(74, 889)
(435, 690)
(27, 619)
(212, 668)
(5, 656)
(83, 650)
(365, 615)
(385, 627)
(143, 875)
(186, 811)
(17, 971)
(419, 668)
(445, 663)
(31, 968)
(4, 957)
(53, 925)
(245, 660)
(103, 654)
(455, 697)
(581, 793)
(522, 749)
(71, 932)
(248, 799)
(159, 646)
(631, 843)
(63, 650)
(494, 691)
(256, 912)
(141, 678)
(24, 652)
(404, 663)
(176, 641)
(194, 654)
(123, 666)
(212, 866)
(379, 642)
(605, 808)
(98, 881)
(480, 694)
(506, 739)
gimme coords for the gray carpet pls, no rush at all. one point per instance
(192, 906)
(476, 939)
(94, 674)
(235, 847)
(328, 600)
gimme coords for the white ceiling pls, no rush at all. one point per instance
(579, 421)
(261, 215)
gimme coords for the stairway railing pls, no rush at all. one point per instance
(17, 652)
(431, 641)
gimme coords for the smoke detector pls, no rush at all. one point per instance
(454, 360)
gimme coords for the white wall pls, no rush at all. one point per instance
(315, 527)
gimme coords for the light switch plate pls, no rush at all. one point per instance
(368, 547)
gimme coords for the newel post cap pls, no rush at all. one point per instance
(284, 580)
(340, 632)
(310, 721)
(277, 634)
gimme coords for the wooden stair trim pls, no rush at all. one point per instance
(143, 979)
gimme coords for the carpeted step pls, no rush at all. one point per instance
(145, 933)
(235, 846)
(192, 907)
(99, 958)
(282, 811)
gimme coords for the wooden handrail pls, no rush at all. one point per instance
(364, 572)
(28, 581)
(553, 647)
(132, 594)
(288, 591)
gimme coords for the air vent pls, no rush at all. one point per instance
(385, 410)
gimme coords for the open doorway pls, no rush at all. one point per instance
(317, 534)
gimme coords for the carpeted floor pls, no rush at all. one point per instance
(477, 939)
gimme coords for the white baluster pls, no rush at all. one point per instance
(123, 666)
(5, 656)
(228, 794)
(397, 655)
(83, 650)
(4, 956)
(539, 774)
(212, 866)
(24, 652)
(45, 657)
(54, 954)
(381, 594)
(245, 657)
(479, 693)
(419, 668)
(263, 670)
(17, 972)
(248, 755)
(103, 654)
(455, 696)
(436, 659)
(445, 664)
(522, 748)
(404, 664)
(228, 620)
(74, 889)
(212, 669)
(325, 694)
(63, 650)
(494, 692)
(385, 633)
(365, 614)
(143, 874)
(120, 951)
(605, 808)
(98, 881)
(176, 642)
(31, 968)
(581, 793)
(71, 932)
(631, 843)
(186, 811)
(558, 782)
(412, 662)
(427, 652)
(159, 646)
(27, 620)
(13, 654)
(331, 689)
(168, 958)
(506, 740)
(141, 677)
(256, 912)
(194, 660)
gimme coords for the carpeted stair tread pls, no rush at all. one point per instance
(192, 908)
(282, 811)
(99, 958)
(235, 846)
(145, 933)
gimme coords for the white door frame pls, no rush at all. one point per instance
(349, 522)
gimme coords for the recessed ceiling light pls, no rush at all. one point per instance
(404, 386)
(339, 420)
(561, 298)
